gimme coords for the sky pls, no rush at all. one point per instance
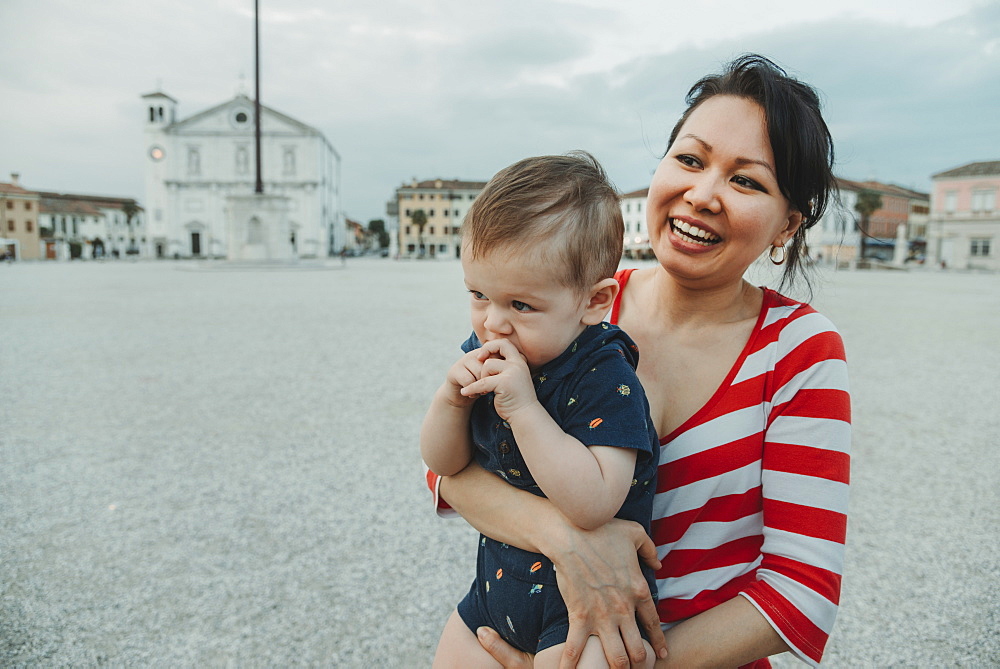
(458, 89)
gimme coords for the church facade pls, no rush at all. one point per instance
(200, 173)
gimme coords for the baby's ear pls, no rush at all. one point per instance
(601, 298)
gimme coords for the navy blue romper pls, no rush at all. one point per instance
(592, 392)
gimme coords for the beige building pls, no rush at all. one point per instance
(444, 204)
(92, 227)
(19, 235)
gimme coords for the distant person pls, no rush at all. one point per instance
(549, 390)
(748, 392)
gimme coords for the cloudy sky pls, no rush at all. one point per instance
(461, 88)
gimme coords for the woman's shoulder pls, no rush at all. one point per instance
(791, 323)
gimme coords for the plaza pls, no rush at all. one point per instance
(215, 464)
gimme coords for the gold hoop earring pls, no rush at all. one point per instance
(771, 254)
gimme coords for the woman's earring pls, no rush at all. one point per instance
(780, 260)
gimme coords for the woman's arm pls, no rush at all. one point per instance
(731, 634)
(598, 570)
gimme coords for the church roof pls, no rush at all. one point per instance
(241, 100)
(642, 192)
(158, 94)
(979, 169)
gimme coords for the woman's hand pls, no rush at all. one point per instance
(503, 652)
(604, 590)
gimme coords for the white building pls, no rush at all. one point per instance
(92, 227)
(198, 167)
(636, 241)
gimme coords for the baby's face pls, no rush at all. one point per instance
(514, 298)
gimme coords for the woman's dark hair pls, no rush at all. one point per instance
(800, 140)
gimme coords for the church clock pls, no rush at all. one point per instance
(156, 153)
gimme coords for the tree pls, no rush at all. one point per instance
(377, 227)
(419, 219)
(130, 210)
(868, 203)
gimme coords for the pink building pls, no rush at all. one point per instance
(964, 226)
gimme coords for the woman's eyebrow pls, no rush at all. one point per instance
(739, 161)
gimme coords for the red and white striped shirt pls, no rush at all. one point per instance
(752, 491)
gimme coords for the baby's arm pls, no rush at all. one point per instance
(445, 441)
(588, 485)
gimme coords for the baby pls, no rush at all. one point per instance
(546, 395)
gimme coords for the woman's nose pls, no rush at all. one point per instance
(703, 192)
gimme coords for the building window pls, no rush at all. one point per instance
(431, 230)
(242, 159)
(983, 200)
(10, 226)
(10, 204)
(408, 212)
(432, 213)
(980, 246)
(27, 206)
(193, 161)
(950, 201)
(29, 226)
(445, 212)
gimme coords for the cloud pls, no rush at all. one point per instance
(457, 89)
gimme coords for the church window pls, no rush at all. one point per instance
(241, 117)
(242, 160)
(288, 161)
(193, 161)
(152, 114)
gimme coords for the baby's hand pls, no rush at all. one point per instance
(465, 371)
(504, 372)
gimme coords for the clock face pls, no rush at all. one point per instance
(156, 153)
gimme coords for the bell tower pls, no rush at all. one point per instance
(160, 111)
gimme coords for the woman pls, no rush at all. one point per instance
(748, 389)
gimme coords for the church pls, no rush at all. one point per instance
(200, 173)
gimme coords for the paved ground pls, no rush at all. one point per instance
(218, 467)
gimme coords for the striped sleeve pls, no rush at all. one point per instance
(804, 484)
(440, 506)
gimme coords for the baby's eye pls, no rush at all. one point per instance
(521, 306)
(476, 295)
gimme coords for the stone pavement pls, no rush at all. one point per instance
(208, 465)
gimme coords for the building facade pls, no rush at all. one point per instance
(92, 227)
(444, 204)
(964, 226)
(20, 237)
(636, 242)
(198, 170)
(837, 236)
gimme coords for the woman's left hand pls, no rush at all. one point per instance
(503, 652)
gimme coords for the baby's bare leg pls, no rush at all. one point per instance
(459, 648)
(591, 658)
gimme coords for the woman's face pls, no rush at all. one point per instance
(714, 204)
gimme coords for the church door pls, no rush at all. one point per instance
(196, 243)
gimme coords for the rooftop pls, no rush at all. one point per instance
(980, 169)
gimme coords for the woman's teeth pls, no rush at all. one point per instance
(694, 233)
